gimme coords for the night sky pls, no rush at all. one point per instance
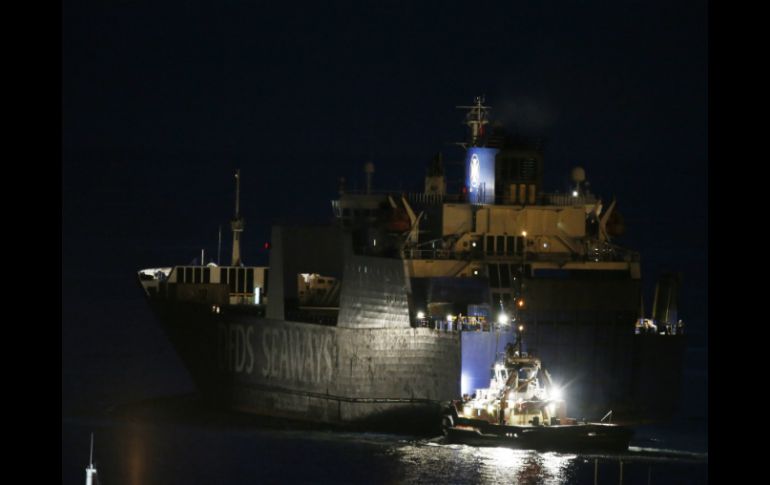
(162, 101)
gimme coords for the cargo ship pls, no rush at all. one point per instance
(399, 305)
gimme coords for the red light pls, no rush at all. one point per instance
(267, 245)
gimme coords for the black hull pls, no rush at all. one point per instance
(578, 437)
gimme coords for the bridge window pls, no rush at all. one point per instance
(490, 244)
(207, 275)
(500, 245)
(509, 242)
(188, 275)
(197, 273)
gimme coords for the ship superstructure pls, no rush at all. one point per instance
(407, 297)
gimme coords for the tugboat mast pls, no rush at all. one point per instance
(237, 223)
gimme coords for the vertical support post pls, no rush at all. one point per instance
(621, 472)
(596, 471)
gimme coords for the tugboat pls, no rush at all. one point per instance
(518, 411)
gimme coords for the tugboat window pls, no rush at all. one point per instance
(490, 244)
(206, 275)
(197, 275)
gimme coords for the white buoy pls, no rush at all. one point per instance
(91, 471)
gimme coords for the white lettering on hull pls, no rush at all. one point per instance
(235, 351)
(287, 354)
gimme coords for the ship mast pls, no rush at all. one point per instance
(475, 119)
(237, 223)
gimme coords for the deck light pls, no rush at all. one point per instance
(521, 328)
(556, 393)
(502, 319)
(420, 315)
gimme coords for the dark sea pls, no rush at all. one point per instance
(122, 381)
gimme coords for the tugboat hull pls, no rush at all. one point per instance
(578, 437)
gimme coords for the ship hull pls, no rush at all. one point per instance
(390, 378)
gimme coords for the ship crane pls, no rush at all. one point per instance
(411, 235)
(603, 234)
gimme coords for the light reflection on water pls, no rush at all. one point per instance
(460, 463)
(138, 452)
(433, 461)
(136, 455)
